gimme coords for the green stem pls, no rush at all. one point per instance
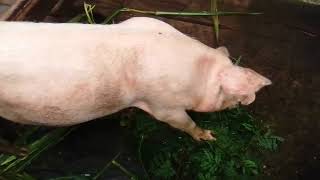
(77, 18)
(56, 136)
(159, 13)
(107, 20)
(88, 10)
(168, 13)
(105, 167)
(215, 19)
(123, 169)
(140, 157)
(163, 13)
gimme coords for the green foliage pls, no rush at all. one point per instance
(161, 166)
(11, 166)
(238, 152)
(249, 167)
(269, 142)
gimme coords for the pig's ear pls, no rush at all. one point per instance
(223, 50)
(242, 81)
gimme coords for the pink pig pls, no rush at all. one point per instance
(65, 74)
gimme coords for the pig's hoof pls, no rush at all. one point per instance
(202, 134)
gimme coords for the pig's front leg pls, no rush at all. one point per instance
(181, 120)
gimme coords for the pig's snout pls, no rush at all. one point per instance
(266, 82)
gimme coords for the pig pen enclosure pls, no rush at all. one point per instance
(277, 137)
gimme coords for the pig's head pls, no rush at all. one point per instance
(233, 85)
(239, 85)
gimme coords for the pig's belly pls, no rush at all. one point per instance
(59, 105)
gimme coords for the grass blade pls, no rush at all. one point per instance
(203, 13)
(88, 8)
(78, 18)
(14, 164)
(215, 19)
(105, 167)
(113, 15)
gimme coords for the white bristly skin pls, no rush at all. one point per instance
(65, 74)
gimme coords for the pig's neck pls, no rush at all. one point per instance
(211, 100)
(212, 95)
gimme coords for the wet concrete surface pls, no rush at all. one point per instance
(282, 44)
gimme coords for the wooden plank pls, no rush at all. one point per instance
(18, 10)
(29, 10)
(7, 2)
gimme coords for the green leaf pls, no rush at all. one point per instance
(8, 160)
(249, 167)
(270, 142)
(88, 8)
(13, 164)
(161, 166)
(230, 169)
(249, 127)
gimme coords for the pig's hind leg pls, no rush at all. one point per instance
(181, 120)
